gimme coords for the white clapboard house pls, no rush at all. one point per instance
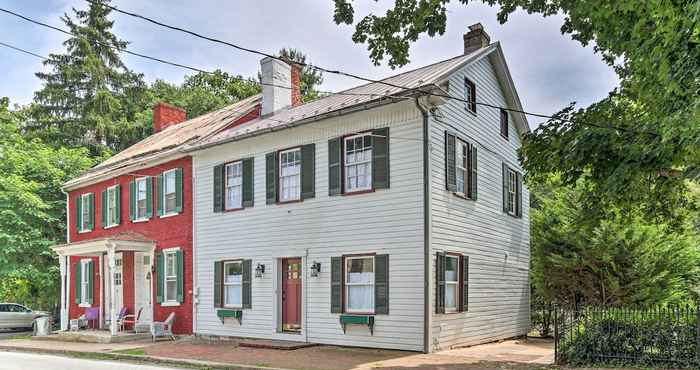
(387, 216)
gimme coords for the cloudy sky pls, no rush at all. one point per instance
(550, 70)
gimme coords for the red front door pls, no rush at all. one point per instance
(291, 294)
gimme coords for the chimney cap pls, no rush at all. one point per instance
(476, 26)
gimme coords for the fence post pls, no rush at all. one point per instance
(556, 334)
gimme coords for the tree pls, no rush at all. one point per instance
(32, 210)
(601, 256)
(89, 96)
(310, 77)
(641, 143)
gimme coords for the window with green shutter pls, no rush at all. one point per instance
(360, 284)
(308, 171)
(248, 182)
(271, 165)
(247, 286)
(461, 166)
(359, 163)
(512, 192)
(452, 282)
(83, 282)
(233, 185)
(336, 284)
(85, 212)
(219, 188)
(335, 166)
(169, 192)
(141, 199)
(110, 206)
(218, 283)
(170, 270)
(380, 158)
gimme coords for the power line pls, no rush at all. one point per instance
(23, 51)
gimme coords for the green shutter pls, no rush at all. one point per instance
(271, 164)
(219, 180)
(464, 301)
(380, 158)
(248, 181)
(76, 282)
(473, 180)
(450, 162)
(178, 190)
(90, 278)
(440, 280)
(118, 202)
(247, 288)
(519, 195)
(149, 197)
(103, 208)
(381, 284)
(308, 171)
(79, 213)
(336, 284)
(160, 269)
(335, 167)
(132, 200)
(505, 187)
(91, 204)
(180, 276)
(159, 194)
(218, 283)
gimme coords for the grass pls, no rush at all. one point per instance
(20, 336)
(131, 351)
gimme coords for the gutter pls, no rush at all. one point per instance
(427, 231)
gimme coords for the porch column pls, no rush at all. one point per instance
(113, 289)
(101, 262)
(64, 291)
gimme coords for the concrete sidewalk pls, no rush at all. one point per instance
(513, 354)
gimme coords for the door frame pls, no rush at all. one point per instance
(283, 274)
(277, 297)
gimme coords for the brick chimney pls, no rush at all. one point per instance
(475, 39)
(280, 85)
(165, 115)
(296, 85)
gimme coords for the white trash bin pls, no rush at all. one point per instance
(42, 326)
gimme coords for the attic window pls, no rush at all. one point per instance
(470, 95)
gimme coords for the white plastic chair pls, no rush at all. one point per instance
(163, 329)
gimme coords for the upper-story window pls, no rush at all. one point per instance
(512, 192)
(358, 163)
(470, 95)
(512, 185)
(169, 192)
(85, 200)
(290, 175)
(504, 123)
(141, 198)
(461, 166)
(110, 206)
(234, 185)
(85, 216)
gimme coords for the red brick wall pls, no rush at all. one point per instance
(170, 232)
(165, 115)
(296, 85)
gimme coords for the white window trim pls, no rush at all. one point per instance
(345, 165)
(227, 207)
(459, 144)
(137, 217)
(166, 302)
(280, 177)
(83, 294)
(345, 284)
(455, 283)
(240, 262)
(109, 224)
(173, 212)
(512, 193)
(468, 105)
(82, 217)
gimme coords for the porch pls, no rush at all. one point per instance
(102, 279)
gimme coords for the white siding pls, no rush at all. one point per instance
(498, 285)
(387, 221)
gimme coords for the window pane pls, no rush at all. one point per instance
(170, 264)
(290, 178)
(361, 298)
(234, 188)
(171, 290)
(451, 296)
(451, 269)
(233, 295)
(360, 270)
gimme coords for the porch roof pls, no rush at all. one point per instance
(119, 242)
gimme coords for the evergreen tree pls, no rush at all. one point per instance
(89, 96)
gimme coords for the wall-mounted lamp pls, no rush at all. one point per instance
(315, 269)
(259, 270)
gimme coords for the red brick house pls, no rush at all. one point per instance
(130, 236)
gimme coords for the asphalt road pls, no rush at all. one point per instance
(33, 361)
(11, 333)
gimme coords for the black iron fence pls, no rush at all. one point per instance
(667, 336)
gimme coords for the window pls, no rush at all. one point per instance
(141, 199)
(504, 123)
(470, 95)
(358, 163)
(461, 166)
(233, 284)
(118, 272)
(512, 194)
(169, 192)
(290, 175)
(170, 276)
(234, 185)
(84, 281)
(451, 283)
(112, 206)
(85, 209)
(359, 284)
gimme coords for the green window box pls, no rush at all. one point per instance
(346, 320)
(236, 314)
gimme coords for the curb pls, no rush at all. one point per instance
(137, 358)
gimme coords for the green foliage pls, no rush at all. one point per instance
(32, 210)
(310, 77)
(591, 253)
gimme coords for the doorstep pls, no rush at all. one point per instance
(284, 345)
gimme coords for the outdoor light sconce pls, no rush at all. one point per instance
(315, 269)
(259, 270)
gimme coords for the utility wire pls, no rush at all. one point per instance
(23, 51)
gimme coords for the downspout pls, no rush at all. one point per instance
(65, 276)
(427, 231)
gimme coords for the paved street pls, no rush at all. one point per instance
(32, 361)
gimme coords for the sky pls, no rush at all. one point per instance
(549, 69)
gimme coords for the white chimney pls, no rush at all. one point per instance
(278, 73)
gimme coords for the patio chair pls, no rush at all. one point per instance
(131, 320)
(163, 329)
(92, 315)
(120, 316)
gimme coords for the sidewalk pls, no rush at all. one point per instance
(525, 355)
